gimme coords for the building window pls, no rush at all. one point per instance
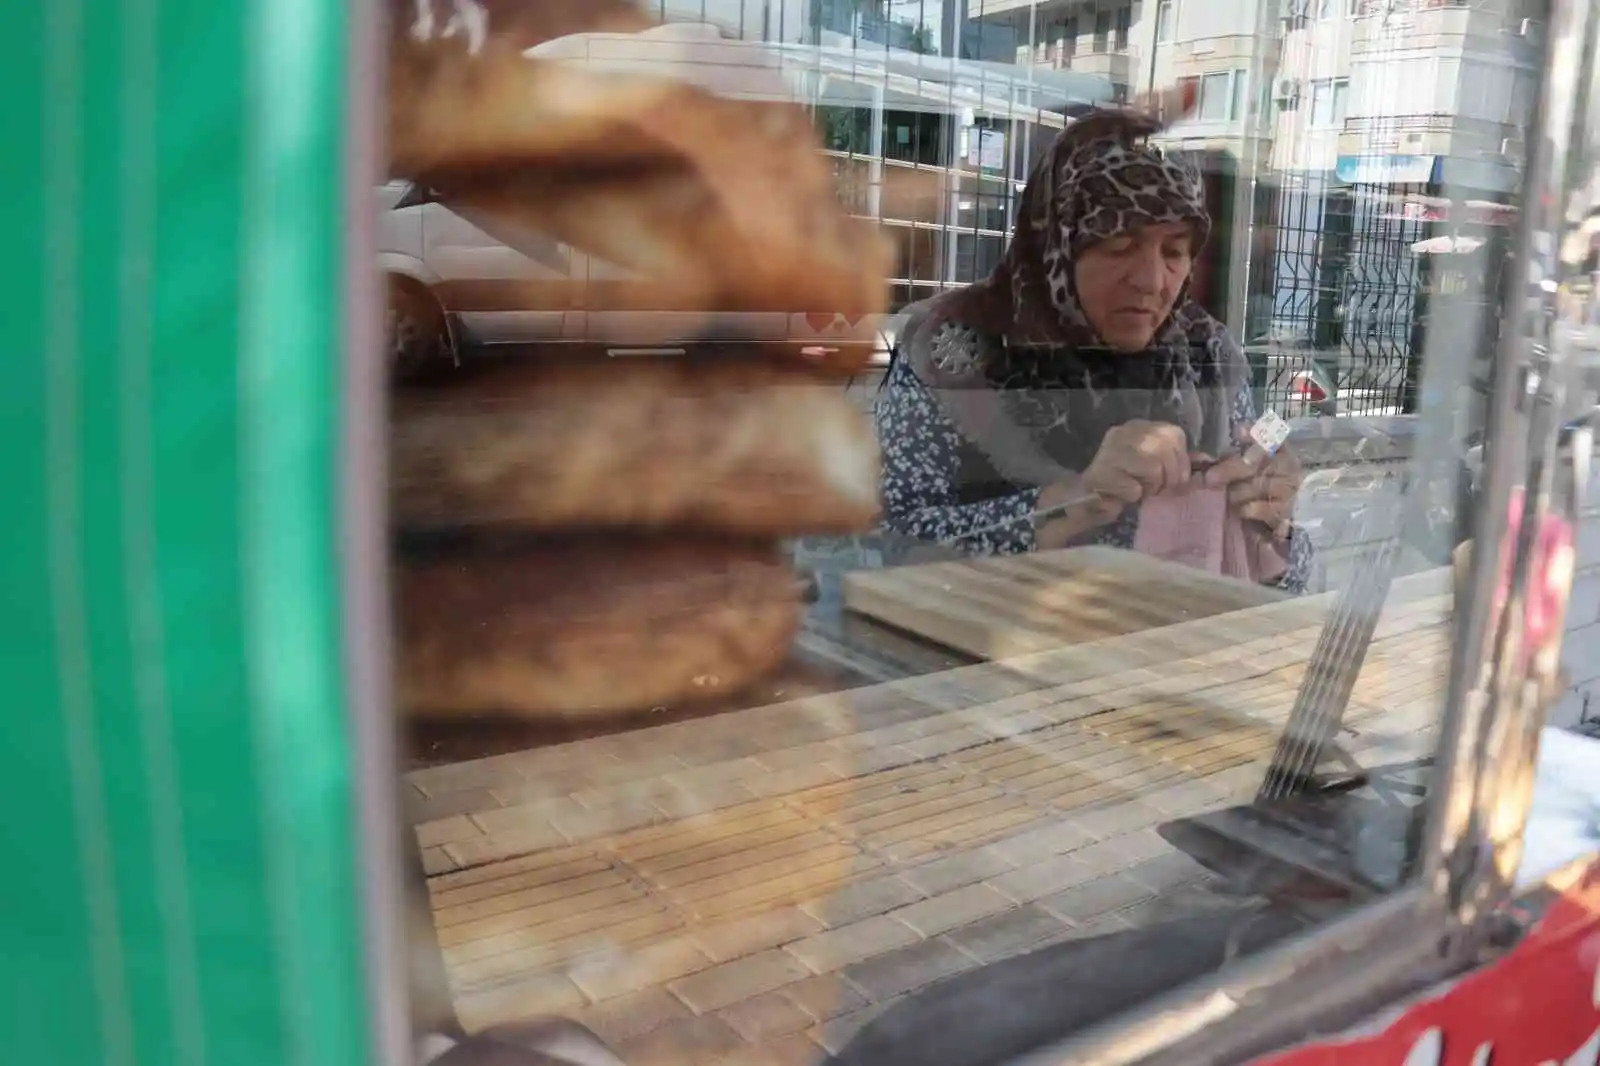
(1335, 9)
(1124, 23)
(1220, 95)
(1191, 89)
(1102, 32)
(1069, 37)
(1166, 21)
(1216, 97)
(1328, 102)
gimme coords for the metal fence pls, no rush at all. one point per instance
(1340, 291)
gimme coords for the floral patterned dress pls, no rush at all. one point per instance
(924, 453)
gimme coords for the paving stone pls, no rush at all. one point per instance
(907, 969)
(506, 879)
(499, 771)
(796, 1050)
(1028, 883)
(1167, 871)
(1014, 932)
(1120, 852)
(953, 909)
(626, 1017)
(835, 1033)
(824, 996)
(1092, 899)
(828, 951)
(1115, 819)
(420, 808)
(526, 816)
(739, 937)
(682, 1043)
(578, 823)
(481, 879)
(957, 871)
(730, 982)
(861, 899)
(1185, 798)
(617, 974)
(437, 861)
(493, 847)
(444, 831)
(528, 998)
(766, 1016)
(862, 763)
(1055, 838)
(794, 779)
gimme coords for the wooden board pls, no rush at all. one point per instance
(1005, 606)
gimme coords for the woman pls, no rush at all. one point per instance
(1079, 387)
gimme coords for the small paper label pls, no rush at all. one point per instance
(1270, 431)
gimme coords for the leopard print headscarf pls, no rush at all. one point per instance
(1014, 357)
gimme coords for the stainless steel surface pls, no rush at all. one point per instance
(364, 522)
(1498, 699)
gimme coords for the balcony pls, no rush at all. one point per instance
(1116, 64)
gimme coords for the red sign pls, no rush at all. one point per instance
(1538, 1006)
(1474, 213)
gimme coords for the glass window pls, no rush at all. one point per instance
(845, 129)
(1166, 20)
(750, 690)
(1328, 102)
(977, 255)
(1216, 97)
(1068, 31)
(1190, 85)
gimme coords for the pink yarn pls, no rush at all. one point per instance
(1192, 525)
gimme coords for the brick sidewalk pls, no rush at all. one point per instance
(753, 887)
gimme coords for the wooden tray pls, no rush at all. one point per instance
(996, 608)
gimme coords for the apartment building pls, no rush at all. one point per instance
(1336, 130)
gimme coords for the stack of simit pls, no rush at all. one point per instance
(583, 534)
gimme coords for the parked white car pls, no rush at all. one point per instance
(458, 282)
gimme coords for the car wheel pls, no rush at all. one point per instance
(418, 336)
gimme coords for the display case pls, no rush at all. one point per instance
(599, 702)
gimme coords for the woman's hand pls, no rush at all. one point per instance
(1138, 459)
(1261, 488)
(1135, 460)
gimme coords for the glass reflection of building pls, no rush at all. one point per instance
(1336, 124)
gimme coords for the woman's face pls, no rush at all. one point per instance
(1127, 284)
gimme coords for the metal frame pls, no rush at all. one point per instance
(385, 860)
(1341, 971)
(1487, 754)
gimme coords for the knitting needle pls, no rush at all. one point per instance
(1196, 462)
(1035, 517)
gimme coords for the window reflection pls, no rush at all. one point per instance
(982, 740)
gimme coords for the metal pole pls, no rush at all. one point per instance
(1491, 726)
(875, 155)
